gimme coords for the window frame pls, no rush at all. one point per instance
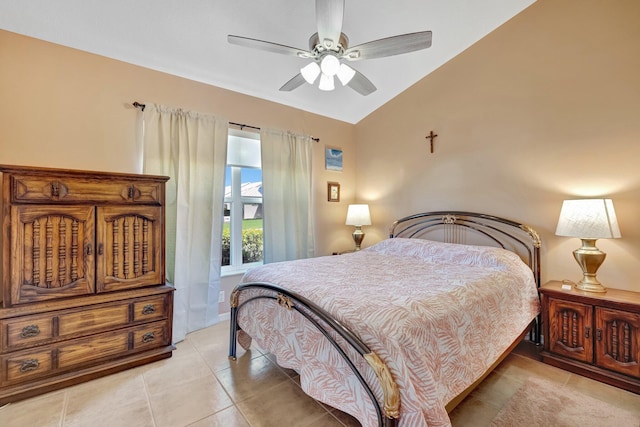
(236, 204)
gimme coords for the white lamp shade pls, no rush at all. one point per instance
(588, 219)
(358, 215)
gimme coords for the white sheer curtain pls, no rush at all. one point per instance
(191, 149)
(286, 183)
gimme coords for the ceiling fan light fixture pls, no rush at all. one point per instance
(326, 82)
(345, 74)
(310, 72)
(330, 65)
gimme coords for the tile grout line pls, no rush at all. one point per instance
(213, 372)
(65, 405)
(146, 393)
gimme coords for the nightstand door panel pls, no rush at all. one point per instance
(570, 330)
(618, 341)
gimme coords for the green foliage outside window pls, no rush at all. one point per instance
(251, 245)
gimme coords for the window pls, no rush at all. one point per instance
(242, 231)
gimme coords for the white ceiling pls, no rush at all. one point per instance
(188, 38)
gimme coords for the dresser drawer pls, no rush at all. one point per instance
(26, 365)
(154, 335)
(28, 331)
(39, 189)
(23, 331)
(85, 322)
(150, 309)
(82, 352)
(87, 350)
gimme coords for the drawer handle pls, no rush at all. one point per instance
(30, 331)
(149, 309)
(55, 191)
(29, 365)
(599, 334)
(587, 332)
(148, 337)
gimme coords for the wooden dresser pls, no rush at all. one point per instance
(83, 273)
(593, 334)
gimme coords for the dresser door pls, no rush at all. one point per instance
(52, 252)
(129, 241)
(570, 329)
(618, 341)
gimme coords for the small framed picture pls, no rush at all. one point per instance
(333, 158)
(333, 191)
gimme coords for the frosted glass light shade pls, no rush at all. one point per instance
(330, 65)
(310, 72)
(588, 219)
(358, 215)
(345, 74)
(326, 82)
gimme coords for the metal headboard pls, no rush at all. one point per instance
(474, 229)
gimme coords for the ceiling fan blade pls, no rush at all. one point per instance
(389, 46)
(294, 83)
(269, 46)
(329, 16)
(361, 84)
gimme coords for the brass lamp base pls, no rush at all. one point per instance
(358, 235)
(589, 257)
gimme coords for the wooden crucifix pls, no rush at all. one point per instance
(431, 137)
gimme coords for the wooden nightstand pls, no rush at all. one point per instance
(591, 334)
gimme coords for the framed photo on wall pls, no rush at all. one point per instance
(333, 191)
(333, 158)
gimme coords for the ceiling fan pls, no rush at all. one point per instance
(329, 46)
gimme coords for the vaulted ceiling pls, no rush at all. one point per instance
(189, 39)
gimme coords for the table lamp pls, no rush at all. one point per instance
(358, 215)
(588, 220)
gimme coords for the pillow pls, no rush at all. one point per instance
(445, 253)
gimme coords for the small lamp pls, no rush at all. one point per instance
(589, 220)
(358, 215)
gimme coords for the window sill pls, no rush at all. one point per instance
(237, 271)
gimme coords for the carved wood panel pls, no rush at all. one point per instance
(571, 329)
(618, 341)
(129, 247)
(52, 249)
(48, 189)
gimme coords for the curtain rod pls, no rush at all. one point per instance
(240, 125)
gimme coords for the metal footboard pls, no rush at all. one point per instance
(325, 323)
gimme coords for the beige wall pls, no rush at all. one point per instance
(546, 107)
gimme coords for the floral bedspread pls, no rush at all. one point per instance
(437, 314)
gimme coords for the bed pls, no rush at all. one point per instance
(400, 332)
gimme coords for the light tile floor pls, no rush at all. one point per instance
(199, 387)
